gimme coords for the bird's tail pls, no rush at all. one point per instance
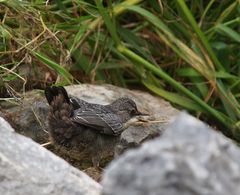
(54, 93)
(60, 110)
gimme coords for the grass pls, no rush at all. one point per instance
(187, 53)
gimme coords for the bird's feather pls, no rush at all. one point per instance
(107, 123)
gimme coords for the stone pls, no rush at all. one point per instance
(28, 116)
(189, 158)
(158, 108)
(27, 168)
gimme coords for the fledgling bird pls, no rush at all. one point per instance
(91, 131)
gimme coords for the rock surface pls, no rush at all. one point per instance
(27, 168)
(147, 103)
(189, 158)
(29, 118)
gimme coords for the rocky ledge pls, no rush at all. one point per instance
(27, 168)
(189, 159)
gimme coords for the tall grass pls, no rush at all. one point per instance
(187, 53)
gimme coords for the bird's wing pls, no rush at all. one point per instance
(106, 123)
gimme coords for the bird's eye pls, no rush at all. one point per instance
(133, 111)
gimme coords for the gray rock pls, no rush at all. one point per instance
(27, 168)
(189, 158)
(28, 116)
(134, 135)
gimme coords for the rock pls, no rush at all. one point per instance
(189, 158)
(27, 168)
(29, 118)
(134, 135)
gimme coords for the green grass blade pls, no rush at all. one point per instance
(174, 98)
(200, 34)
(228, 32)
(158, 71)
(109, 21)
(53, 65)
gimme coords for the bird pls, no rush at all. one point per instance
(86, 130)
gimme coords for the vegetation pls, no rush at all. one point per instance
(187, 52)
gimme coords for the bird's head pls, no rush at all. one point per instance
(126, 106)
